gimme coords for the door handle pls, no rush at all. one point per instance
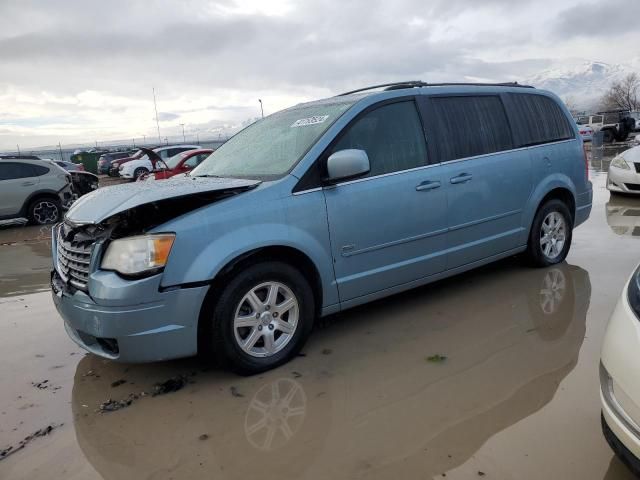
(27, 184)
(427, 185)
(462, 178)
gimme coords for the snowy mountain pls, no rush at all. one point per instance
(583, 82)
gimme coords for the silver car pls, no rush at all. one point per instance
(624, 172)
(33, 189)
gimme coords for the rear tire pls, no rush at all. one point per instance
(550, 235)
(44, 211)
(249, 331)
(609, 137)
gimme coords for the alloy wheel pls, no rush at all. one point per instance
(45, 212)
(266, 319)
(553, 235)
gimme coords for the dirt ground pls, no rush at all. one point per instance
(491, 374)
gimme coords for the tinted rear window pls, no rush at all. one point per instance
(537, 119)
(467, 126)
(39, 170)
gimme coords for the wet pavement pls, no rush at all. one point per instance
(490, 374)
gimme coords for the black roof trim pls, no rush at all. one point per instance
(419, 83)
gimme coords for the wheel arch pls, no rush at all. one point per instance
(561, 188)
(286, 254)
(52, 194)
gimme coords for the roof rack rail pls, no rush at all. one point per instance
(407, 84)
(419, 83)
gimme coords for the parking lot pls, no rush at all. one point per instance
(490, 374)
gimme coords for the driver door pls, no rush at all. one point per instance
(388, 228)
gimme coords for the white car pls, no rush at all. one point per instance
(624, 172)
(136, 168)
(620, 377)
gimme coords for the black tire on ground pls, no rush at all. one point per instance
(535, 253)
(45, 210)
(609, 137)
(138, 172)
(218, 339)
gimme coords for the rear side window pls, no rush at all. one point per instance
(39, 170)
(391, 135)
(11, 171)
(467, 126)
(538, 119)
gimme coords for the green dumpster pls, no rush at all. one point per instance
(89, 160)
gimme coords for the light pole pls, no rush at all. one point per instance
(145, 139)
(18, 148)
(261, 109)
(155, 106)
(184, 140)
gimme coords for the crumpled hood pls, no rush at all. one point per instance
(108, 201)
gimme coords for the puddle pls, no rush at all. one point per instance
(623, 215)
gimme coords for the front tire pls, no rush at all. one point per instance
(550, 235)
(139, 172)
(262, 318)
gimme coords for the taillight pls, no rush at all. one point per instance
(586, 162)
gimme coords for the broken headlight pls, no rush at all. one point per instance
(143, 254)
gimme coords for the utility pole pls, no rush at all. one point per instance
(17, 145)
(261, 109)
(60, 148)
(145, 139)
(184, 140)
(134, 142)
(155, 106)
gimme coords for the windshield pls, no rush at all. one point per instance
(138, 154)
(175, 160)
(272, 146)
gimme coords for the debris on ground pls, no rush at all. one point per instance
(235, 392)
(327, 351)
(204, 436)
(43, 432)
(113, 405)
(437, 358)
(296, 374)
(169, 386)
(302, 354)
(41, 385)
(172, 385)
(481, 474)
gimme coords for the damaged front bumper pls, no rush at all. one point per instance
(120, 327)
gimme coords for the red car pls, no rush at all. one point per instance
(180, 163)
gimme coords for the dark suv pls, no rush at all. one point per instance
(104, 162)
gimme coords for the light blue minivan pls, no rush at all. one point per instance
(315, 209)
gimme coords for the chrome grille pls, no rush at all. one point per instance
(73, 260)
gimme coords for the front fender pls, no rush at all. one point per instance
(549, 183)
(210, 238)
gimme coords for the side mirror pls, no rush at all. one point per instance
(347, 164)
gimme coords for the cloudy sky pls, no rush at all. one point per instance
(81, 70)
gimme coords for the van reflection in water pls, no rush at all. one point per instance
(365, 400)
(623, 215)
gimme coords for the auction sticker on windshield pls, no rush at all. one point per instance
(304, 122)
